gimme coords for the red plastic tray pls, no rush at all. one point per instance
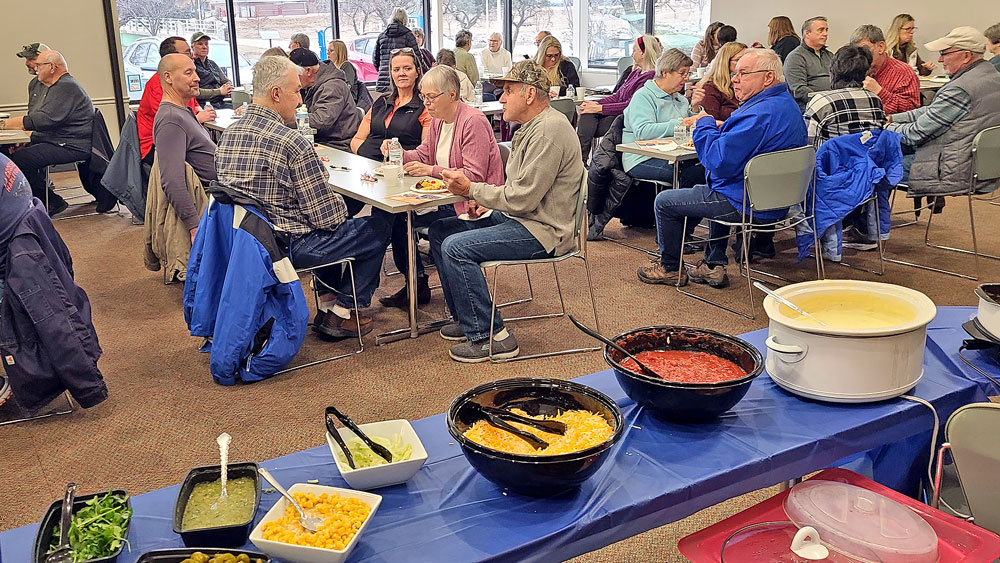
(958, 540)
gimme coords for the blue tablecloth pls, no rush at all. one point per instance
(660, 472)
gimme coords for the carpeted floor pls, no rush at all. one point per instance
(165, 412)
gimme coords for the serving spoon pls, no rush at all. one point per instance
(786, 302)
(310, 523)
(594, 334)
(224, 440)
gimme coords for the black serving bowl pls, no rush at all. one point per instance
(218, 536)
(178, 555)
(43, 538)
(528, 474)
(684, 402)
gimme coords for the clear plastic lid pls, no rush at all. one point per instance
(772, 542)
(857, 521)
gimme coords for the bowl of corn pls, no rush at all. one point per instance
(345, 513)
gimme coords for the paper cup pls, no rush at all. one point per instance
(554, 90)
(393, 175)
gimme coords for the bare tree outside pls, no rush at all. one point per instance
(152, 14)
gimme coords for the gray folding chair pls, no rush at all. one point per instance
(771, 181)
(580, 251)
(565, 106)
(624, 64)
(576, 62)
(349, 263)
(985, 166)
(973, 438)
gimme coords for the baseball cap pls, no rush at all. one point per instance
(965, 38)
(200, 35)
(31, 51)
(526, 72)
(303, 57)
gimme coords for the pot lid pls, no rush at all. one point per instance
(772, 542)
(857, 521)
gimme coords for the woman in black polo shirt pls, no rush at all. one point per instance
(400, 113)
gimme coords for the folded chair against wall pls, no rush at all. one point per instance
(771, 181)
(580, 251)
(973, 438)
(985, 166)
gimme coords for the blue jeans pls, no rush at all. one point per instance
(364, 238)
(398, 238)
(458, 247)
(672, 206)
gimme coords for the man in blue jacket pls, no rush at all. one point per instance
(767, 120)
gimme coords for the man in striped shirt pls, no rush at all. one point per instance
(894, 82)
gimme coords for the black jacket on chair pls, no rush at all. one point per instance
(92, 170)
(47, 342)
(607, 180)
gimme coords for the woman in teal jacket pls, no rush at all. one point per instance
(652, 114)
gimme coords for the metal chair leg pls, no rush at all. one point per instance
(71, 407)
(680, 273)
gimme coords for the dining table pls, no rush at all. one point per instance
(656, 149)
(14, 137)
(360, 178)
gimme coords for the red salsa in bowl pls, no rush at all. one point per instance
(686, 366)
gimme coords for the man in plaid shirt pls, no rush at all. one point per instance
(847, 108)
(894, 82)
(262, 158)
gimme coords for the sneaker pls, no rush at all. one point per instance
(337, 328)
(714, 276)
(452, 332)
(657, 274)
(401, 299)
(857, 241)
(477, 352)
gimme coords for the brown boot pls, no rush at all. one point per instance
(337, 328)
(655, 273)
(714, 276)
(401, 299)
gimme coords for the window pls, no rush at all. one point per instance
(528, 17)
(681, 23)
(361, 22)
(481, 17)
(262, 24)
(613, 26)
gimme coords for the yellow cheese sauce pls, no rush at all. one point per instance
(851, 309)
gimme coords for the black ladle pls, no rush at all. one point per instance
(379, 449)
(593, 333)
(498, 422)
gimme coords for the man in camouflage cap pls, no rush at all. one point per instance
(533, 214)
(36, 90)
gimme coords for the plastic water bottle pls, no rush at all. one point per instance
(243, 109)
(571, 92)
(301, 117)
(680, 134)
(208, 106)
(479, 94)
(396, 156)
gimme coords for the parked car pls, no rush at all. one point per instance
(142, 56)
(359, 52)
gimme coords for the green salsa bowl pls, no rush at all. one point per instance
(231, 535)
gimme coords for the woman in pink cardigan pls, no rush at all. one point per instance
(460, 138)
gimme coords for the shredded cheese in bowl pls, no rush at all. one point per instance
(583, 430)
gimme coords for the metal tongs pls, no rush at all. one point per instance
(379, 449)
(497, 417)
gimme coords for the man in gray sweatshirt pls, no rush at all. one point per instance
(327, 97)
(807, 67)
(532, 215)
(61, 125)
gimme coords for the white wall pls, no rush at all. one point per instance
(934, 18)
(73, 27)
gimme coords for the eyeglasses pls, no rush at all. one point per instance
(40, 64)
(911, 28)
(743, 73)
(553, 57)
(395, 52)
(945, 53)
(430, 98)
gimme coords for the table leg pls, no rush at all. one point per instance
(677, 174)
(411, 274)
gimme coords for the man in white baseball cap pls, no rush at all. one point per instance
(942, 132)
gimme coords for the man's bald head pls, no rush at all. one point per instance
(54, 57)
(178, 78)
(50, 66)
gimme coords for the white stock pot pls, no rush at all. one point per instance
(843, 363)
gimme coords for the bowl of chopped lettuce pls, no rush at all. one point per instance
(371, 471)
(98, 531)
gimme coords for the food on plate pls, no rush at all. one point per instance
(851, 309)
(342, 518)
(430, 184)
(689, 144)
(366, 457)
(199, 557)
(583, 430)
(98, 529)
(205, 508)
(686, 366)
